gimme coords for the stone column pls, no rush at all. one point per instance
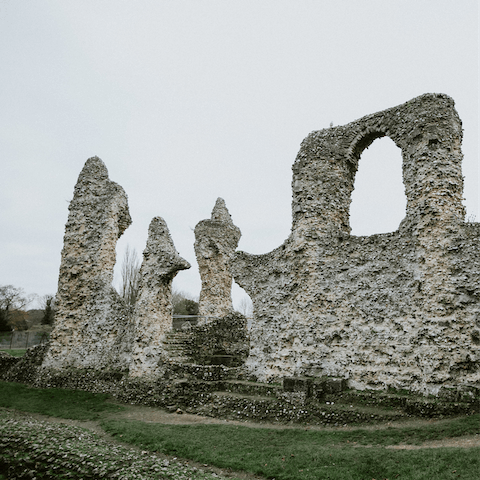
(89, 314)
(153, 310)
(215, 242)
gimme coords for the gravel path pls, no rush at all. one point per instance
(155, 415)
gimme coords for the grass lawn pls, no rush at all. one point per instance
(291, 454)
(20, 352)
(282, 454)
(55, 402)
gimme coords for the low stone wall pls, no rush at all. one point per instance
(225, 392)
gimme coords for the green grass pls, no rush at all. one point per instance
(20, 352)
(292, 454)
(56, 402)
(283, 454)
(261, 436)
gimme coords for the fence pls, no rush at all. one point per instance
(26, 339)
(179, 320)
(18, 340)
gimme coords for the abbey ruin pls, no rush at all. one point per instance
(397, 310)
(400, 309)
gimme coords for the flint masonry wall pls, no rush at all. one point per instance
(153, 309)
(399, 309)
(92, 327)
(216, 240)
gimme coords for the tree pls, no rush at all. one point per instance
(48, 304)
(245, 306)
(182, 305)
(130, 274)
(12, 302)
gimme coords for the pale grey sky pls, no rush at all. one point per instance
(186, 101)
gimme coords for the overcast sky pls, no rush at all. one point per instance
(187, 101)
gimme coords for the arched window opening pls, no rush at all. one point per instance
(378, 200)
(242, 303)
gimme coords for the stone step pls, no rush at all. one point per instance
(252, 388)
(178, 334)
(174, 340)
(179, 359)
(233, 405)
(173, 347)
(410, 404)
(207, 373)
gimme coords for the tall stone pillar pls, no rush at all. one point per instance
(215, 242)
(89, 313)
(153, 310)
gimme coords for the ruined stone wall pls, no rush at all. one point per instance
(94, 328)
(215, 242)
(153, 313)
(399, 309)
(92, 325)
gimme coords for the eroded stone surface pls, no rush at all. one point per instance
(91, 322)
(215, 242)
(153, 310)
(400, 309)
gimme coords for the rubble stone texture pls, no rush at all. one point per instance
(153, 310)
(215, 242)
(400, 309)
(91, 322)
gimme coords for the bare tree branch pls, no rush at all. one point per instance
(130, 274)
(12, 301)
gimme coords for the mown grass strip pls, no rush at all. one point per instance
(391, 436)
(56, 402)
(297, 454)
(19, 352)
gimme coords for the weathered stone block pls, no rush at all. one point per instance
(333, 385)
(297, 384)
